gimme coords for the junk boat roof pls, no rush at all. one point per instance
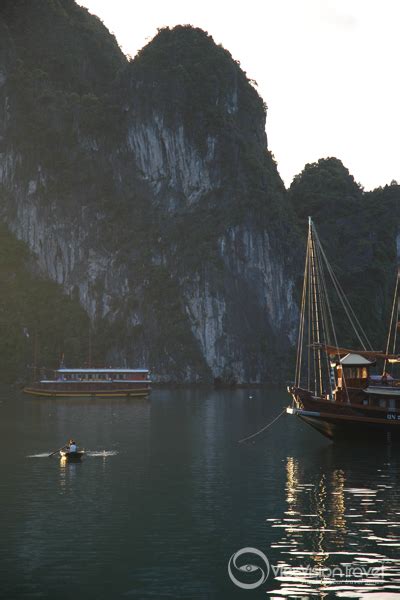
(110, 370)
(355, 360)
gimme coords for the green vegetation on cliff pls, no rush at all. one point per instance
(195, 80)
(358, 231)
(38, 322)
(63, 65)
(63, 43)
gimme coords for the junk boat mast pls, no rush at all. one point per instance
(334, 389)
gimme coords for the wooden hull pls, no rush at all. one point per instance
(343, 420)
(71, 456)
(88, 390)
(336, 428)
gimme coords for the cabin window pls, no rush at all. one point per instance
(382, 402)
(362, 373)
(365, 401)
(392, 403)
(356, 372)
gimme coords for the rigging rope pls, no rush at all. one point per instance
(320, 324)
(301, 327)
(344, 301)
(317, 324)
(325, 311)
(316, 317)
(253, 435)
(391, 321)
(324, 285)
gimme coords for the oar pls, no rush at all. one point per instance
(55, 451)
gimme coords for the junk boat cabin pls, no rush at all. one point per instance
(342, 392)
(93, 383)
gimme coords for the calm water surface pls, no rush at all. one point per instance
(166, 496)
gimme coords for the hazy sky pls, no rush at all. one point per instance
(327, 69)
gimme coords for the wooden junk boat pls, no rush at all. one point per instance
(342, 392)
(92, 383)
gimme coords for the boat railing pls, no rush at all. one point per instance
(387, 381)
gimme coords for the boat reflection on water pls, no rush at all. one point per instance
(67, 473)
(337, 540)
(65, 460)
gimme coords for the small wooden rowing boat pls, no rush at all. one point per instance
(71, 456)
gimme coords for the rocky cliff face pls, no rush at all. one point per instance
(147, 191)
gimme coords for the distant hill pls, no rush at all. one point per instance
(361, 235)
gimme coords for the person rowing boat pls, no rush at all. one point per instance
(71, 452)
(71, 447)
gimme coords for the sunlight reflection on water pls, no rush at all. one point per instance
(328, 545)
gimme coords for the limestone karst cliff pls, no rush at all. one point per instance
(146, 189)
